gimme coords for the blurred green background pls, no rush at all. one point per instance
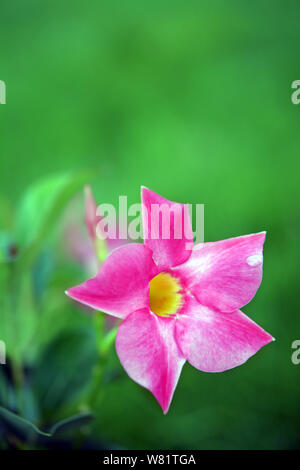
(191, 99)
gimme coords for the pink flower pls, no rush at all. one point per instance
(82, 243)
(178, 303)
(102, 246)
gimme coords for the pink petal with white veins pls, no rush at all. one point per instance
(213, 342)
(225, 275)
(167, 229)
(148, 352)
(122, 284)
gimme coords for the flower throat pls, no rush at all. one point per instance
(165, 295)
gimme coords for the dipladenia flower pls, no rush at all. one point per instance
(84, 245)
(91, 222)
(177, 302)
(102, 246)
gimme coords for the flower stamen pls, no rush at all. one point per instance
(165, 297)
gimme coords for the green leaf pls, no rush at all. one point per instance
(30, 432)
(71, 424)
(19, 425)
(6, 214)
(6, 242)
(18, 315)
(7, 392)
(64, 371)
(40, 209)
(7, 329)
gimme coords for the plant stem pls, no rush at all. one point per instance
(105, 342)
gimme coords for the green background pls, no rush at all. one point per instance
(193, 100)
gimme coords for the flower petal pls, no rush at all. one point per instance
(167, 229)
(148, 352)
(225, 275)
(122, 284)
(90, 213)
(213, 342)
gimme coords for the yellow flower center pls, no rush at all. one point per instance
(164, 296)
